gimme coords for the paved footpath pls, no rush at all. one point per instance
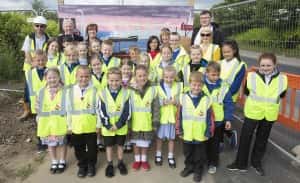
(278, 169)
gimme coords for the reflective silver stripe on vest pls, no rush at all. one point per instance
(222, 94)
(29, 83)
(185, 75)
(116, 113)
(255, 97)
(141, 109)
(83, 111)
(115, 62)
(232, 74)
(187, 116)
(60, 112)
(62, 73)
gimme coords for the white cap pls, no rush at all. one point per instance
(40, 20)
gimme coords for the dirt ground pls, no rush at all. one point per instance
(18, 157)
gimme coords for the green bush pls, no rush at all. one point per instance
(257, 34)
(13, 29)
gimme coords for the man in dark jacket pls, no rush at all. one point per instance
(68, 30)
(205, 21)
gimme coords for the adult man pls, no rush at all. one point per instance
(205, 21)
(68, 29)
(35, 41)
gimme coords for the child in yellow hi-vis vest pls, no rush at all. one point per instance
(141, 122)
(52, 120)
(195, 126)
(264, 89)
(168, 93)
(69, 68)
(83, 122)
(114, 107)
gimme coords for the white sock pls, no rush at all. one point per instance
(62, 161)
(144, 157)
(170, 155)
(98, 141)
(54, 161)
(137, 158)
(158, 153)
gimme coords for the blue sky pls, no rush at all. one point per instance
(52, 4)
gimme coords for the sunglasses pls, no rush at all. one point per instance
(40, 25)
(205, 35)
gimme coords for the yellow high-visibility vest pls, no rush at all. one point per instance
(51, 113)
(34, 84)
(168, 112)
(194, 123)
(68, 78)
(141, 110)
(264, 99)
(229, 75)
(114, 110)
(217, 97)
(83, 111)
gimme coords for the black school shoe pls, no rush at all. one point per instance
(61, 167)
(158, 160)
(122, 168)
(53, 168)
(101, 147)
(186, 172)
(81, 172)
(172, 162)
(197, 177)
(259, 170)
(109, 171)
(91, 171)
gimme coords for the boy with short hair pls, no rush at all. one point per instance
(223, 108)
(195, 123)
(82, 121)
(180, 56)
(197, 63)
(108, 60)
(114, 111)
(68, 70)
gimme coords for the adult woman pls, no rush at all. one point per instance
(211, 52)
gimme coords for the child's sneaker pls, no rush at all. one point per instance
(145, 165)
(212, 169)
(136, 165)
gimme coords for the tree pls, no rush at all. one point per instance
(38, 6)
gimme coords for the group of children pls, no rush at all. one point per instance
(95, 98)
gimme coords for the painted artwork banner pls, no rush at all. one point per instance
(128, 21)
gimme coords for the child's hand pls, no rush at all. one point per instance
(180, 136)
(173, 101)
(113, 128)
(227, 125)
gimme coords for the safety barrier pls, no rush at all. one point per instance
(289, 114)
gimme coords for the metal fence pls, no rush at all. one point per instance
(263, 25)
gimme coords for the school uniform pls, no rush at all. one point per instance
(212, 53)
(82, 121)
(51, 117)
(223, 108)
(99, 81)
(110, 62)
(166, 128)
(114, 109)
(195, 123)
(180, 56)
(141, 121)
(261, 111)
(53, 60)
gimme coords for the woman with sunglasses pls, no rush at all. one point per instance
(211, 52)
(264, 89)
